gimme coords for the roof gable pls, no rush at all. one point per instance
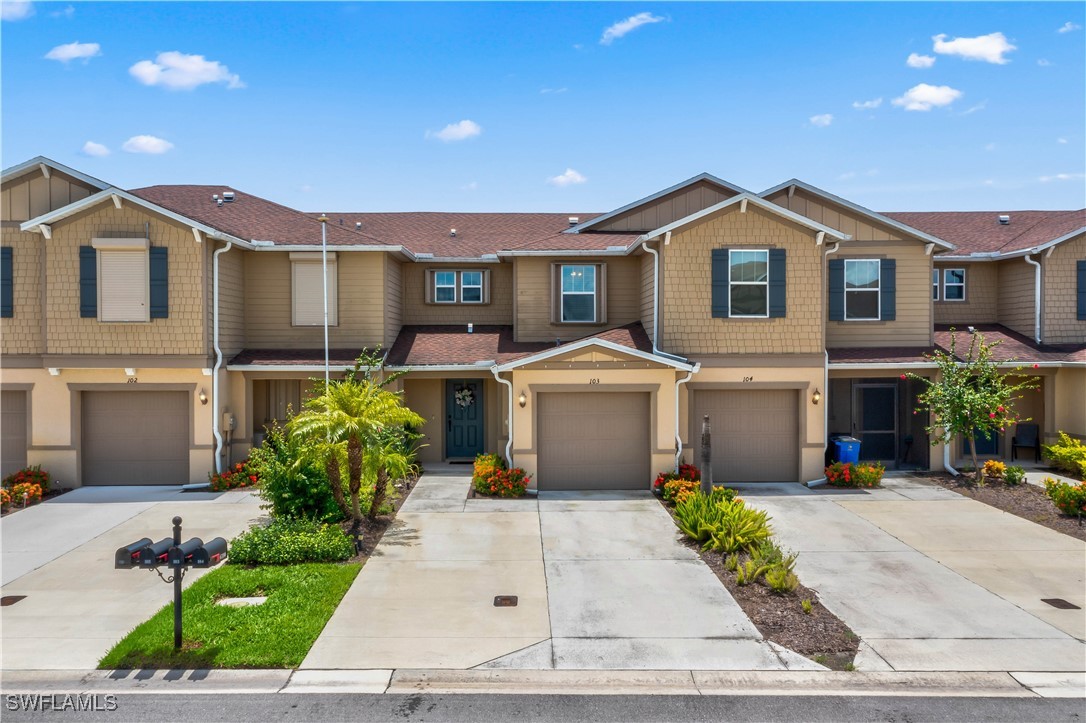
(46, 166)
(741, 201)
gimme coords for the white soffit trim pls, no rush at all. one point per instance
(285, 367)
(659, 194)
(587, 342)
(754, 200)
(40, 161)
(478, 366)
(861, 210)
(108, 195)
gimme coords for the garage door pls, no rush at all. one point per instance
(755, 434)
(593, 441)
(13, 428)
(135, 438)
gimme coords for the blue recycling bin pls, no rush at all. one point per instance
(847, 449)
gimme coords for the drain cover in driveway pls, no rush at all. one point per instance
(1059, 602)
(505, 601)
(10, 600)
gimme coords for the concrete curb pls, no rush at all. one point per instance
(551, 682)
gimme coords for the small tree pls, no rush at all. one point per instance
(970, 397)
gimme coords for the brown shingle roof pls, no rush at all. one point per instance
(250, 217)
(1012, 347)
(295, 357)
(440, 345)
(981, 232)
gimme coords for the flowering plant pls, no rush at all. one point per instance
(28, 491)
(677, 486)
(1069, 499)
(31, 475)
(237, 477)
(490, 477)
(994, 468)
(848, 474)
(5, 497)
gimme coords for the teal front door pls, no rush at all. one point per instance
(463, 418)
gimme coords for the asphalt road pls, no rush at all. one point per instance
(598, 709)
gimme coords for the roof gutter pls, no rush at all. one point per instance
(1036, 295)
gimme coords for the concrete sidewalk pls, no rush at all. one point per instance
(931, 580)
(601, 580)
(59, 555)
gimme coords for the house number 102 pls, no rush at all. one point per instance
(594, 381)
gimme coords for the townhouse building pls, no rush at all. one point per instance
(151, 335)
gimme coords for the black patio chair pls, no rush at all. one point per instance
(1026, 435)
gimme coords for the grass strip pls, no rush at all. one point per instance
(275, 634)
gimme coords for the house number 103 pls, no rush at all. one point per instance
(594, 380)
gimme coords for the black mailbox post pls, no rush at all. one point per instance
(170, 552)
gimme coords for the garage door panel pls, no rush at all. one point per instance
(13, 428)
(593, 440)
(755, 433)
(135, 438)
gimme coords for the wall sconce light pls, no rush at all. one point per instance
(816, 397)
(202, 397)
(522, 400)
(130, 371)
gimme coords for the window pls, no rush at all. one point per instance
(748, 280)
(468, 286)
(953, 284)
(861, 289)
(307, 289)
(935, 284)
(578, 293)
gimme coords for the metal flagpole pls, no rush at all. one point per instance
(324, 280)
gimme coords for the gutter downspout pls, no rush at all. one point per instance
(215, 416)
(825, 384)
(509, 413)
(946, 459)
(1036, 296)
(656, 301)
(678, 439)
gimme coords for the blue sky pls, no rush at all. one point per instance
(555, 107)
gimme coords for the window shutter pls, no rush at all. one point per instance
(88, 282)
(601, 293)
(124, 286)
(837, 289)
(1081, 267)
(7, 284)
(486, 286)
(778, 284)
(308, 293)
(720, 300)
(888, 283)
(160, 282)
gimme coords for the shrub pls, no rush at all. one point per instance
(995, 469)
(503, 483)
(5, 497)
(486, 464)
(1068, 454)
(806, 605)
(28, 491)
(28, 475)
(1069, 499)
(781, 580)
(1014, 476)
(862, 474)
(294, 485)
(697, 515)
(740, 528)
(678, 489)
(286, 542)
(687, 477)
(237, 477)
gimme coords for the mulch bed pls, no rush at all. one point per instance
(47, 495)
(1025, 500)
(373, 530)
(819, 635)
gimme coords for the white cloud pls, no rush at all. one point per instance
(1044, 62)
(16, 9)
(1069, 27)
(90, 148)
(548, 91)
(979, 106)
(867, 104)
(74, 51)
(925, 97)
(1062, 177)
(68, 12)
(822, 120)
(1061, 140)
(990, 48)
(569, 178)
(622, 27)
(179, 71)
(916, 60)
(457, 131)
(146, 144)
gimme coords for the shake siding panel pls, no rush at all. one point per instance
(687, 325)
(22, 333)
(647, 292)
(1016, 298)
(1060, 318)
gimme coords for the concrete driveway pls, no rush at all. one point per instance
(931, 580)
(601, 580)
(59, 555)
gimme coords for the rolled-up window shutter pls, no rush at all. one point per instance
(486, 286)
(88, 282)
(429, 276)
(601, 293)
(888, 284)
(1081, 293)
(837, 289)
(7, 284)
(160, 282)
(778, 284)
(720, 292)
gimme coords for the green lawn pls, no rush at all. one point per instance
(277, 634)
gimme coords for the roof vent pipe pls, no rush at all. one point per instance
(574, 220)
(1004, 220)
(228, 196)
(357, 225)
(452, 232)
